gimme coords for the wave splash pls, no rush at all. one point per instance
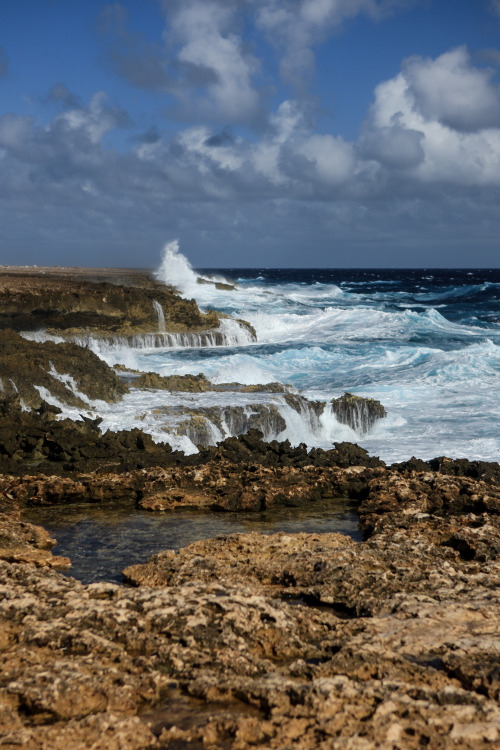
(176, 270)
(187, 420)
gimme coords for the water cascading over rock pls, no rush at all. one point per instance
(207, 426)
(359, 413)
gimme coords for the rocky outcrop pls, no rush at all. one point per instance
(35, 441)
(205, 481)
(33, 444)
(72, 305)
(205, 426)
(194, 383)
(118, 306)
(31, 372)
(359, 413)
(190, 383)
(488, 471)
(22, 542)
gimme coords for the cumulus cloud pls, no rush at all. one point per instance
(214, 58)
(394, 146)
(414, 165)
(93, 121)
(453, 92)
(15, 130)
(200, 60)
(451, 138)
(297, 26)
(204, 61)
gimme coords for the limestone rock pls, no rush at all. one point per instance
(283, 640)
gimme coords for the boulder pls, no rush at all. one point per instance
(359, 413)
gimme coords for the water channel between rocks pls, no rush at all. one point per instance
(103, 539)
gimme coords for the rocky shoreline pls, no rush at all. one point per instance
(270, 640)
(246, 640)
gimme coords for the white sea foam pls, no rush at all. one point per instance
(176, 270)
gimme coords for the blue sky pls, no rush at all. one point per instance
(257, 132)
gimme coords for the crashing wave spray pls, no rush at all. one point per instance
(176, 270)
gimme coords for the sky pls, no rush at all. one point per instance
(275, 133)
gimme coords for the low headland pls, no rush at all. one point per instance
(244, 640)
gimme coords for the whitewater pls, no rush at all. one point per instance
(425, 343)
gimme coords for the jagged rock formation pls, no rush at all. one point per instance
(359, 413)
(35, 441)
(32, 372)
(30, 441)
(206, 426)
(221, 285)
(60, 369)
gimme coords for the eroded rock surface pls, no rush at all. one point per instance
(31, 372)
(303, 640)
(73, 303)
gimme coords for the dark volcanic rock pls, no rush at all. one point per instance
(59, 368)
(63, 447)
(357, 412)
(487, 471)
(251, 448)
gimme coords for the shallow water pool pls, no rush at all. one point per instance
(103, 539)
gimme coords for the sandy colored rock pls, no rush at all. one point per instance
(281, 640)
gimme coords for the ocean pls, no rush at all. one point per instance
(425, 343)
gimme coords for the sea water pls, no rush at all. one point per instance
(102, 539)
(426, 343)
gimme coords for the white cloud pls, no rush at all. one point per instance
(458, 136)
(206, 62)
(332, 158)
(15, 130)
(298, 25)
(453, 92)
(95, 121)
(396, 146)
(409, 169)
(218, 68)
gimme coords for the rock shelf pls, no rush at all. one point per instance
(273, 640)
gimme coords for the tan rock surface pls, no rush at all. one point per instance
(282, 641)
